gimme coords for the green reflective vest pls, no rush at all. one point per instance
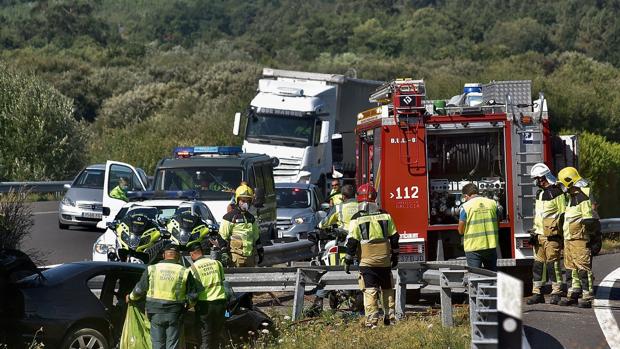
(579, 207)
(372, 230)
(241, 229)
(341, 214)
(549, 206)
(167, 282)
(118, 193)
(481, 224)
(210, 274)
(335, 197)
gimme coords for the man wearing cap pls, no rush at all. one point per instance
(211, 305)
(165, 285)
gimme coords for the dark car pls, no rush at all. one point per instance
(82, 305)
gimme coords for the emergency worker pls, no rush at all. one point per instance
(120, 191)
(335, 196)
(211, 306)
(240, 229)
(546, 237)
(373, 239)
(167, 287)
(579, 225)
(341, 214)
(478, 223)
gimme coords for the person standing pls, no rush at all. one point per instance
(335, 196)
(341, 214)
(579, 224)
(211, 306)
(373, 237)
(165, 286)
(546, 237)
(240, 229)
(479, 224)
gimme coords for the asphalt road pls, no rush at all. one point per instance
(546, 326)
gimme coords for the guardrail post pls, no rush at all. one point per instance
(298, 300)
(446, 301)
(401, 293)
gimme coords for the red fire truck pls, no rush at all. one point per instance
(420, 153)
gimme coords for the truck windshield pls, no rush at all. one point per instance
(293, 198)
(288, 130)
(212, 183)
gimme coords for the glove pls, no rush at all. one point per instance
(394, 260)
(261, 255)
(533, 239)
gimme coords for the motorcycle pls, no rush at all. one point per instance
(139, 237)
(332, 252)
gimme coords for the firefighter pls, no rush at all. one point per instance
(167, 289)
(372, 236)
(240, 229)
(478, 223)
(120, 191)
(579, 225)
(546, 237)
(211, 305)
(341, 214)
(335, 196)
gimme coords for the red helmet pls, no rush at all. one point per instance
(366, 192)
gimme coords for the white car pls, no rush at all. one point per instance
(107, 243)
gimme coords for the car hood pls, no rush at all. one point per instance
(284, 213)
(85, 194)
(15, 265)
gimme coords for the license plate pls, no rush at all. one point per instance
(411, 258)
(96, 215)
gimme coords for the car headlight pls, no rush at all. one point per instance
(104, 248)
(66, 200)
(302, 219)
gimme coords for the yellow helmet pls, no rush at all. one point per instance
(569, 176)
(244, 191)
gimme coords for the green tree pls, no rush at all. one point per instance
(39, 138)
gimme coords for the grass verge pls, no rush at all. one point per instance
(422, 330)
(611, 245)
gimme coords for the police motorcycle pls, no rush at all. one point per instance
(332, 252)
(139, 236)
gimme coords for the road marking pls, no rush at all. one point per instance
(603, 309)
(46, 212)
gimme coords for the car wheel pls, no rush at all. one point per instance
(62, 226)
(85, 338)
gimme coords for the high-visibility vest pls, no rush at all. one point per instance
(480, 225)
(341, 214)
(167, 282)
(241, 229)
(372, 230)
(210, 274)
(579, 207)
(335, 197)
(549, 206)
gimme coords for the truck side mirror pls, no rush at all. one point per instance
(259, 198)
(237, 124)
(324, 132)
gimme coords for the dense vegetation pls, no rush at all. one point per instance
(146, 75)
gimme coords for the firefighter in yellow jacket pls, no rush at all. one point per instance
(546, 237)
(240, 229)
(341, 213)
(373, 238)
(579, 223)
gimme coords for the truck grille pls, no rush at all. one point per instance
(287, 167)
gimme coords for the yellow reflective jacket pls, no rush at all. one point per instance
(167, 282)
(481, 226)
(373, 231)
(209, 275)
(579, 207)
(549, 207)
(241, 230)
(340, 214)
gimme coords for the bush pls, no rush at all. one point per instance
(15, 219)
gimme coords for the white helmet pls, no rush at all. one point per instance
(542, 170)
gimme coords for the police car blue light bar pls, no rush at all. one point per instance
(184, 152)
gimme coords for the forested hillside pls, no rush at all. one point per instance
(147, 75)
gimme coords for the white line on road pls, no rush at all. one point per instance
(602, 309)
(46, 212)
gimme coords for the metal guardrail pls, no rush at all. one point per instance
(610, 225)
(35, 187)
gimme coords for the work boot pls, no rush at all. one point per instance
(568, 301)
(584, 303)
(555, 299)
(535, 299)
